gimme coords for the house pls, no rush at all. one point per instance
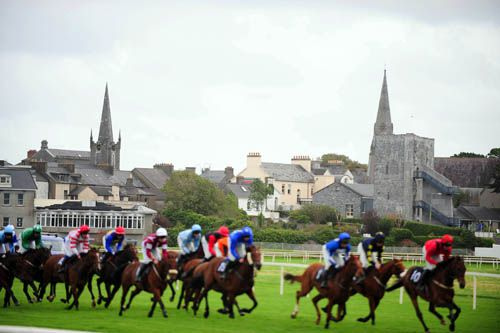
(350, 200)
(219, 177)
(242, 192)
(480, 219)
(60, 218)
(17, 195)
(294, 181)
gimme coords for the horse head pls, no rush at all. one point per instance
(129, 253)
(397, 267)
(353, 266)
(168, 267)
(255, 256)
(457, 268)
(93, 259)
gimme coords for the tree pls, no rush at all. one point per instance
(259, 193)
(468, 154)
(316, 214)
(371, 222)
(459, 197)
(350, 164)
(494, 153)
(187, 191)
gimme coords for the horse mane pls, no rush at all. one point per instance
(446, 263)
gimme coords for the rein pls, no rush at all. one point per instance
(379, 282)
(4, 267)
(442, 285)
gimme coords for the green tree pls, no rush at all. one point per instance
(350, 164)
(468, 154)
(459, 198)
(186, 191)
(494, 153)
(316, 214)
(259, 193)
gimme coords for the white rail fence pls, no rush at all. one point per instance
(401, 291)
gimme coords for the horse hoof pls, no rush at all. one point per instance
(93, 304)
(106, 305)
(222, 311)
(172, 299)
(205, 315)
(165, 315)
(99, 301)
(452, 327)
(63, 300)
(443, 322)
(293, 316)
(16, 303)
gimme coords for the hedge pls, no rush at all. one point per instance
(401, 234)
(422, 229)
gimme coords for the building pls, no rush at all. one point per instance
(242, 192)
(219, 177)
(294, 182)
(349, 199)
(467, 172)
(401, 169)
(479, 219)
(17, 195)
(60, 218)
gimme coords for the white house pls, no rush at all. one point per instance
(242, 192)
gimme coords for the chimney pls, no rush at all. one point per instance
(254, 160)
(302, 160)
(168, 168)
(45, 144)
(229, 172)
(40, 166)
(191, 169)
(130, 181)
(30, 153)
(335, 162)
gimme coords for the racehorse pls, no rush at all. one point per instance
(374, 284)
(239, 280)
(111, 272)
(439, 292)
(154, 281)
(80, 274)
(187, 278)
(337, 291)
(6, 281)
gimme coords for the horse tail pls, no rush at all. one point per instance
(292, 278)
(396, 285)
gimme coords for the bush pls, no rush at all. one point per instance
(317, 214)
(422, 229)
(407, 243)
(402, 234)
(298, 216)
(385, 225)
(371, 222)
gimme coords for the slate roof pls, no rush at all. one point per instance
(215, 176)
(21, 178)
(365, 190)
(239, 190)
(337, 169)
(96, 176)
(102, 191)
(78, 205)
(319, 171)
(479, 213)
(360, 176)
(467, 172)
(156, 177)
(69, 153)
(288, 172)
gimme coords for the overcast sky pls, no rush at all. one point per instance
(202, 83)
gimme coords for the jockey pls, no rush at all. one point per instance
(113, 241)
(335, 253)
(150, 250)
(221, 247)
(208, 241)
(370, 251)
(31, 238)
(76, 243)
(435, 251)
(188, 241)
(238, 241)
(8, 240)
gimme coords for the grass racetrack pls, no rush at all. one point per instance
(271, 315)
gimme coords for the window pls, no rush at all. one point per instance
(19, 223)
(6, 198)
(283, 188)
(20, 199)
(289, 191)
(65, 194)
(5, 180)
(6, 221)
(387, 169)
(249, 205)
(349, 210)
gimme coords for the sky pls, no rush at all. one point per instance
(203, 83)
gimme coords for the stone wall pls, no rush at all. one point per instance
(338, 196)
(467, 172)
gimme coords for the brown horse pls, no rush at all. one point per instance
(374, 284)
(80, 274)
(439, 292)
(111, 272)
(187, 279)
(239, 280)
(337, 291)
(154, 281)
(6, 281)
(51, 276)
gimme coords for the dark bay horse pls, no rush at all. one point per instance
(438, 292)
(239, 280)
(187, 279)
(79, 274)
(51, 276)
(6, 281)
(111, 272)
(337, 292)
(374, 284)
(154, 281)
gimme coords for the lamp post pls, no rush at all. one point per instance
(430, 205)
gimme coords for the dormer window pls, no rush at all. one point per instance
(5, 181)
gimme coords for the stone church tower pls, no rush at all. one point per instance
(105, 152)
(401, 168)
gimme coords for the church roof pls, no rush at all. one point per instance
(383, 125)
(106, 128)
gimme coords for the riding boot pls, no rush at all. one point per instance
(142, 269)
(229, 264)
(62, 265)
(180, 262)
(329, 274)
(423, 280)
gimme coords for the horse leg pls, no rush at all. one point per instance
(315, 301)
(329, 312)
(89, 287)
(52, 295)
(35, 290)
(181, 296)
(432, 309)
(230, 300)
(370, 304)
(66, 288)
(124, 297)
(100, 298)
(453, 316)
(414, 301)
(300, 293)
(157, 296)
(207, 309)
(74, 292)
(25, 290)
(172, 289)
(132, 295)
(113, 293)
(251, 295)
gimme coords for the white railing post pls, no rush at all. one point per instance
(282, 280)
(401, 295)
(474, 292)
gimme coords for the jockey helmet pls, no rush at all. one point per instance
(162, 232)
(196, 228)
(37, 228)
(379, 236)
(344, 237)
(247, 231)
(224, 231)
(447, 239)
(9, 229)
(84, 228)
(120, 230)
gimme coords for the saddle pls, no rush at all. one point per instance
(320, 273)
(417, 275)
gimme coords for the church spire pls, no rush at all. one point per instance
(106, 129)
(383, 125)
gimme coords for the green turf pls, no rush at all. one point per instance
(272, 314)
